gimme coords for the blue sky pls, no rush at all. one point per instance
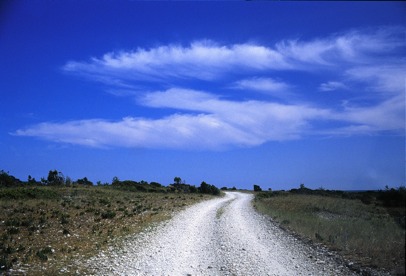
(231, 93)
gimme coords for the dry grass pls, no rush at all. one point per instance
(366, 234)
(61, 225)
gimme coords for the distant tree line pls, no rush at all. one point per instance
(7, 180)
(204, 188)
(141, 186)
(54, 178)
(390, 197)
(228, 189)
(57, 179)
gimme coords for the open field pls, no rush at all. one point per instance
(367, 231)
(50, 229)
(47, 228)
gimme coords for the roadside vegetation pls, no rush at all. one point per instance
(366, 228)
(46, 226)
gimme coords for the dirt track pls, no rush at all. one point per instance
(223, 236)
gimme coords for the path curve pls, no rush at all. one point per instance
(222, 236)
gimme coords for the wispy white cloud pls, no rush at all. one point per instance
(203, 60)
(359, 55)
(387, 79)
(175, 131)
(368, 59)
(289, 120)
(217, 123)
(388, 115)
(354, 47)
(208, 60)
(257, 116)
(264, 85)
(332, 85)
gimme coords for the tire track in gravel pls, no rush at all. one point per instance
(223, 236)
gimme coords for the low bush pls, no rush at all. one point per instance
(13, 230)
(42, 254)
(108, 215)
(28, 193)
(5, 263)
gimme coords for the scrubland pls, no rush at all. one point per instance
(366, 228)
(43, 229)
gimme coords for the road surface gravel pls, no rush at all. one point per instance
(222, 236)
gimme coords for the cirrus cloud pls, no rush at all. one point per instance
(364, 61)
(203, 60)
(218, 123)
(208, 60)
(266, 86)
(332, 85)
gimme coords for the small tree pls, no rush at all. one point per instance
(31, 180)
(257, 188)
(204, 188)
(68, 181)
(214, 190)
(55, 178)
(115, 181)
(208, 189)
(84, 181)
(193, 189)
(177, 180)
(7, 180)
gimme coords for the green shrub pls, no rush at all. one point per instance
(13, 230)
(208, 189)
(42, 254)
(104, 201)
(13, 222)
(257, 188)
(64, 219)
(28, 193)
(5, 263)
(7, 180)
(108, 215)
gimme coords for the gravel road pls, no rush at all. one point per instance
(222, 236)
